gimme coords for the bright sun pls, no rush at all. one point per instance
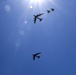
(36, 1)
(39, 3)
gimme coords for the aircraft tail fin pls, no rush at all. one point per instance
(41, 19)
(38, 56)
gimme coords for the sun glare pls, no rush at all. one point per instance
(38, 6)
(36, 1)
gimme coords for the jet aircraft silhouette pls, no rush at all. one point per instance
(52, 9)
(48, 11)
(37, 17)
(40, 19)
(35, 55)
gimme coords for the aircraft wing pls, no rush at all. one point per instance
(33, 57)
(38, 53)
(34, 20)
(40, 14)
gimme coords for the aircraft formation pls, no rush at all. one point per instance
(36, 55)
(48, 11)
(38, 15)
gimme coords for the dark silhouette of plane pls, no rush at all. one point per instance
(40, 19)
(52, 9)
(35, 55)
(37, 17)
(48, 11)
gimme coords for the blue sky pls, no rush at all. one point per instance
(54, 36)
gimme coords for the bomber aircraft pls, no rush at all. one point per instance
(35, 55)
(37, 17)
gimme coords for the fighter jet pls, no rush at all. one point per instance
(52, 9)
(37, 17)
(35, 55)
(48, 11)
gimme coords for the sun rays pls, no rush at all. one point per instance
(37, 6)
(36, 1)
(40, 4)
